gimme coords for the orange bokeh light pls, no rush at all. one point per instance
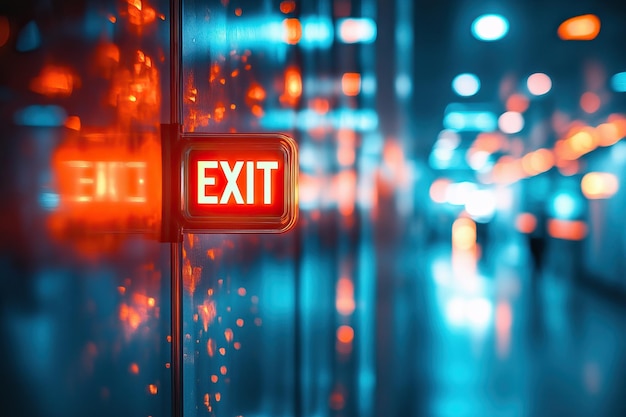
(345, 296)
(54, 81)
(567, 229)
(599, 185)
(590, 102)
(287, 6)
(517, 103)
(351, 83)
(345, 334)
(464, 234)
(580, 28)
(293, 31)
(526, 223)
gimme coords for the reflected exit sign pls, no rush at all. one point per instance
(239, 183)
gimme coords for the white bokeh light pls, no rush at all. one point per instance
(539, 84)
(511, 122)
(466, 85)
(490, 27)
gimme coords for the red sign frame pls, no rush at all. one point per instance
(238, 183)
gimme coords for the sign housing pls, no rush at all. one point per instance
(238, 183)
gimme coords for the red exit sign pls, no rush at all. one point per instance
(239, 183)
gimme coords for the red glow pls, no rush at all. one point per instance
(567, 229)
(5, 30)
(287, 6)
(248, 182)
(54, 81)
(104, 186)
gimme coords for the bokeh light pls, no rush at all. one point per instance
(511, 122)
(539, 84)
(466, 84)
(490, 27)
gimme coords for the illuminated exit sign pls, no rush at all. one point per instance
(239, 183)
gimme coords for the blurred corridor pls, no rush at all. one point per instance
(459, 249)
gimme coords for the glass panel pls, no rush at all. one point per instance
(84, 281)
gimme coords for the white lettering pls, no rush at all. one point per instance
(250, 182)
(203, 181)
(267, 167)
(231, 184)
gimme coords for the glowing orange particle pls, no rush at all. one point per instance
(112, 19)
(237, 345)
(210, 347)
(218, 396)
(223, 370)
(152, 389)
(228, 335)
(214, 378)
(134, 368)
(256, 92)
(239, 322)
(345, 334)
(241, 291)
(238, 11)
(222, 351)
(287, 6)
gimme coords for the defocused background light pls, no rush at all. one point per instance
(618, 82)
(590, 102)
(466, 85)
(538, 84)
(403, 85)
(580, 28)
(479, 121)
(5, 30)
(351, 83)
(517, 102)
(29, 38)
(599, 185)
(511, 122)
(355, 30)
(481, 205)
(490, 27)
